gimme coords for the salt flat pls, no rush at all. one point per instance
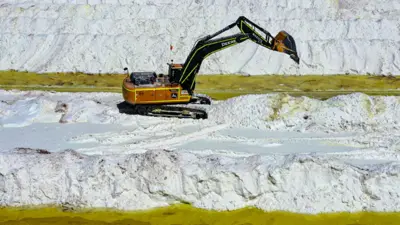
(270, 151)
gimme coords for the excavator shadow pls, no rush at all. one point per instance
(126, 108)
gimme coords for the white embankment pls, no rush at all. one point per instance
(333, 36)
(140, 181)
(295, 181)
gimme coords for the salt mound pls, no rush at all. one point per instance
(22, 108)
(353, 112)
(158, 178)
(332, 36)
(245, 110)
(24, 112)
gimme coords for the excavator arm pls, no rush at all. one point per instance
(206, 46)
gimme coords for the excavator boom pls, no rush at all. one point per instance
(206, 46)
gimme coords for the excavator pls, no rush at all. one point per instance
(152, 94)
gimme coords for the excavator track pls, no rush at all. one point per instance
(177, 111)
(162, 111)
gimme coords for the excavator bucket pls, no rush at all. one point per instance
(285, 43)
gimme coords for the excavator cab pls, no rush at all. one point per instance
(174, 70)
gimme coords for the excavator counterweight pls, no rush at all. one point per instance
(149, 93)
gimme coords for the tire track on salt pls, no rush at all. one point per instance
(146, 144)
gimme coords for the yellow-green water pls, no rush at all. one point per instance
(219, 87)
(183, 214)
